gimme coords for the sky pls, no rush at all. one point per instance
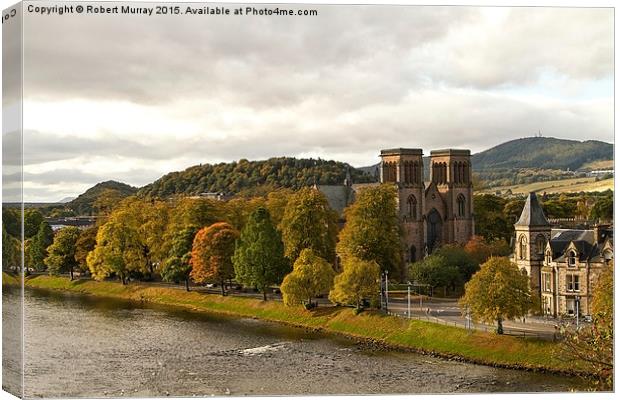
(131, 98)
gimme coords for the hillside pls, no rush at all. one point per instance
(248, 177)
(83, 204)
(543, 152)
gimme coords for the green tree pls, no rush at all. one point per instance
(497, 292)
(84, 245)
(594, 344)
(311, 276)
(491, 221)
(61, 253)
(212, 253)
(603, 209)
(32, 223)
(38, 246)
(372, 229)
(259, 253)
(177, 266)
(10, 250)
(11, 221)
(118, 251)
(436, 271)
(358, 280)
(309, 223)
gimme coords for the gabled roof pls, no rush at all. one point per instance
(532, 214)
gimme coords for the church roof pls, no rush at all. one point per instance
(532, 214)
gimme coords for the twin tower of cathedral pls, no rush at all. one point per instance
(436, 212)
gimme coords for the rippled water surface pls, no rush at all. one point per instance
(79, 346)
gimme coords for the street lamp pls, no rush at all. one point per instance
(386, 290)
(408, 299)
(577, 310)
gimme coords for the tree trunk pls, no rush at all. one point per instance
(187, 284)
(264, 294)
(500, 328)
(223, 290)
(71, 273)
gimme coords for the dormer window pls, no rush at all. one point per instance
(608, 256)
(572, 259)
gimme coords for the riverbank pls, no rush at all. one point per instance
(371, 328)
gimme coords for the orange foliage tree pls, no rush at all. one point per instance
(212, 253)
(480, 250)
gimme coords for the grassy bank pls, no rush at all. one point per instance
(372, 327)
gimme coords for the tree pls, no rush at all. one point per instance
(118, 251)
(309, 223)
(10, 250)
(491, 220)
(372, 229)
(358, 280)
(603, 209)
(84, 245)
(107, 200)
(497, 292)
(32, 223)
(212, 253)
(61, 253)
(38, 246)
(177, 266)
(436, 271)
(311, 276)
(479, 250)
(594, 344)
(276, 204)
(464, 264)
(11, 221)
(259, 253)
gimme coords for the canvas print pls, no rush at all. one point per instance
(205, 199)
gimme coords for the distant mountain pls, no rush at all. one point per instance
(66, 200)
(252, 177)
(83, 204)
(544, 153)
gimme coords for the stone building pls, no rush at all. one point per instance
(563, 264)
(432, 213)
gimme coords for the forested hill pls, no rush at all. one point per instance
(543, 152)
(83, 204)
(252, 176)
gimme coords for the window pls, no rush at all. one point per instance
(546, 282)
(522, 247)
(548, 258)
(540, 244)
(572, 283)
(572, 259)
(460, 200)
(412, 254)
(412, 205)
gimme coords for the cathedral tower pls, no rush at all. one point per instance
(451, 176)
(405, 169)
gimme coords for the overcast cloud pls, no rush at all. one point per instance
(132, 97)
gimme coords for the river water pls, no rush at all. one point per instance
(81, 346)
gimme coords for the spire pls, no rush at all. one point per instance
(532, 214)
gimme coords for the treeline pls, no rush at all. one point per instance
(495, 216)
(495, 177)
(253, 177)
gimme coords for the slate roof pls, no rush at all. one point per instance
(338, 196)
(532, 214)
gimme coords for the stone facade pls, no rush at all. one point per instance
(563, 264)
(431, 213)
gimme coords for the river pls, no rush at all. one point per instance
(81, 346)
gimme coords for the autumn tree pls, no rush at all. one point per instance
(259, 253)
(84, 245)
(311, 276)
(107, 201)
(38, 246)
(358, 280)
(309, 223)
(177, 266)
(212, 253)
(276, 204)
(372, 229)
(498, 291)
(118, 251)
(594, 344)
(61, 253)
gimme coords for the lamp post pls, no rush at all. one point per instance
(386, 291)
(577, 310)
(408, 299)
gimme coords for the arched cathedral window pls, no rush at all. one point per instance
(522, 247)
(412, 207)
(460, 201)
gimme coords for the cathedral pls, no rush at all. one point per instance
(432, 213)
